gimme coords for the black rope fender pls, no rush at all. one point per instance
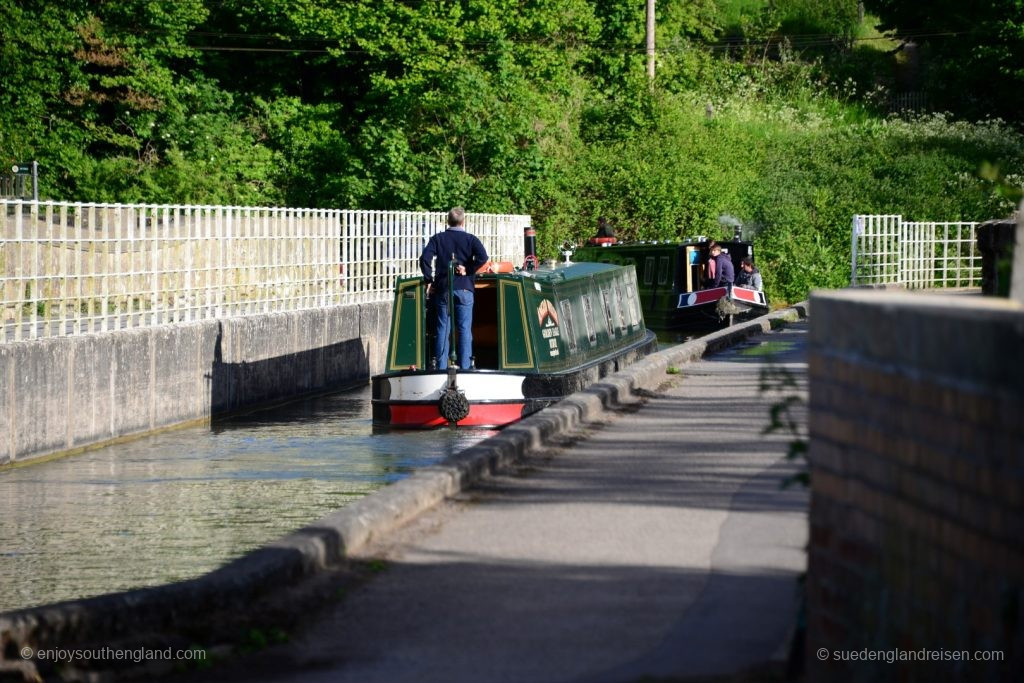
(454, 405)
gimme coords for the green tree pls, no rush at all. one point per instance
(105, 96)
(972, 50)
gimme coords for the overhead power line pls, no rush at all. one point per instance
(487, 47)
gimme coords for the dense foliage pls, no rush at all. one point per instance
(973, 50)
(771, 112)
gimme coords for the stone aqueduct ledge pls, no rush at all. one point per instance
(60, 395)
(241, 584)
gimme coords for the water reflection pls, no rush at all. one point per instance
(175, 505)
(669, 338)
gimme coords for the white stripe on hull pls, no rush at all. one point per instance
(476, 386)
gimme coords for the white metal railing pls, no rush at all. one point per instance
(73, 268)
(885, 249)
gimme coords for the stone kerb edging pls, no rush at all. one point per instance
(240, 583)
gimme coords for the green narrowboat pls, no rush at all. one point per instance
(538, 336)
(671, 279)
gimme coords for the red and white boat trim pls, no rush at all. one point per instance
(741, 295)
(428, 415)
(495, 399)
(748, 296)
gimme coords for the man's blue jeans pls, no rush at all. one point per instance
(463, 326)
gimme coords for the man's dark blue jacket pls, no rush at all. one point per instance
(468, 249)
(724, 272)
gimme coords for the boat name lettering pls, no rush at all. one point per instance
(553, 351)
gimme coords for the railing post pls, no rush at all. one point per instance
(19, 286)
(855, 230)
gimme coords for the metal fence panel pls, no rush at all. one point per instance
(957, 259)
(74, 268)
(875, 251)
(885, 249)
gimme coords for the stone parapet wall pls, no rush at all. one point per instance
(917, 478)
(63, 394)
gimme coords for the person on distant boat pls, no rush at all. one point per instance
(604, 228)
(720, 270)
(470, 256)
(749, 276)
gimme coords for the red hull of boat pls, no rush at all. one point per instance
(428, 415)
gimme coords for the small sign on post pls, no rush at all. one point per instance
(23, 169)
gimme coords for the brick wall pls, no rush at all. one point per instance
(917, 480)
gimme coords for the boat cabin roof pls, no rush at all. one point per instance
(568, 271)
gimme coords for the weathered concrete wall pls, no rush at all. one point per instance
(917, 484)
(67, 393)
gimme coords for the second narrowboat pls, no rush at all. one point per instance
(671, 278)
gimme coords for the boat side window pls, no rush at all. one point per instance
(635, 306)
(663, 270)
(630, 299)
(649, 270)
(588, 319)
(606, 300)
(567, 325)
(621, 305)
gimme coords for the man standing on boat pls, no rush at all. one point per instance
(469, 256)
(720, 270)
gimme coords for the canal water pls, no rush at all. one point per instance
(175, 505)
